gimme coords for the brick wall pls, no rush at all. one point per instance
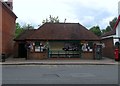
(87, 55)
(108, 51)
(39, 56)
(15, 50)
(8, 30)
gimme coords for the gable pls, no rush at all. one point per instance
(115, 32)
(5, 7)
(117, 27)
(117, 22)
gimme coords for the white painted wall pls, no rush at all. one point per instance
(115, 40)
(118, 27)
(118, 8)
(118, 30)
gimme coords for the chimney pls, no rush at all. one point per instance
(10, 4)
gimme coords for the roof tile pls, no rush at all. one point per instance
(62, 31)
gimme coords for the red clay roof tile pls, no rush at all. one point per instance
(62, 31)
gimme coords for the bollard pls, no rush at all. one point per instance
(3, 57)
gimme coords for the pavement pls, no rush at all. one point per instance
(68, 61)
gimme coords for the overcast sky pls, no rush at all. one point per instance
(86, 12)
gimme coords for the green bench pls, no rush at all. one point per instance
(62, 53)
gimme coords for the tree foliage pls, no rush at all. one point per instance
(20, 29)
(96, 30)
(110, 26)
(51, 19)
(112, 23)
(27, 26)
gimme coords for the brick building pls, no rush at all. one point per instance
(7, 27)
(57, 40)
(111, 38)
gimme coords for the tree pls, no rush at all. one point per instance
(110, 26)
(18, 26)
(18, 30)
(96, 30)
(103, 31)
(51, 19)
(112, 23)
(27, 26)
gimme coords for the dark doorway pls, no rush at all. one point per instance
(22, 51)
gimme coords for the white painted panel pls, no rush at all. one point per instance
(115, 40)
(118, 8)
(118, 30)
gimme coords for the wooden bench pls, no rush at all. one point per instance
(62, 53)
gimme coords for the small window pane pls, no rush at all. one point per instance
(37, 48)
(37, 43)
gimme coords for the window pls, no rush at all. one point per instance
(71, 46)
(87, 46)
(39, 47)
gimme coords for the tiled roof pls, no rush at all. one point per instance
(112, 32)
(24, 35)
(62, 31)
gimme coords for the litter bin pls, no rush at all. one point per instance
(3, 57)
(98, 51)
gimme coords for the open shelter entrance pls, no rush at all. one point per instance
(22, 51)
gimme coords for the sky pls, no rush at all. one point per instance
(86, 12)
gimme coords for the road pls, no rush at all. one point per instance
(60, 74)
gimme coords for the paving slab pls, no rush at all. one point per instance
(22, 61)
